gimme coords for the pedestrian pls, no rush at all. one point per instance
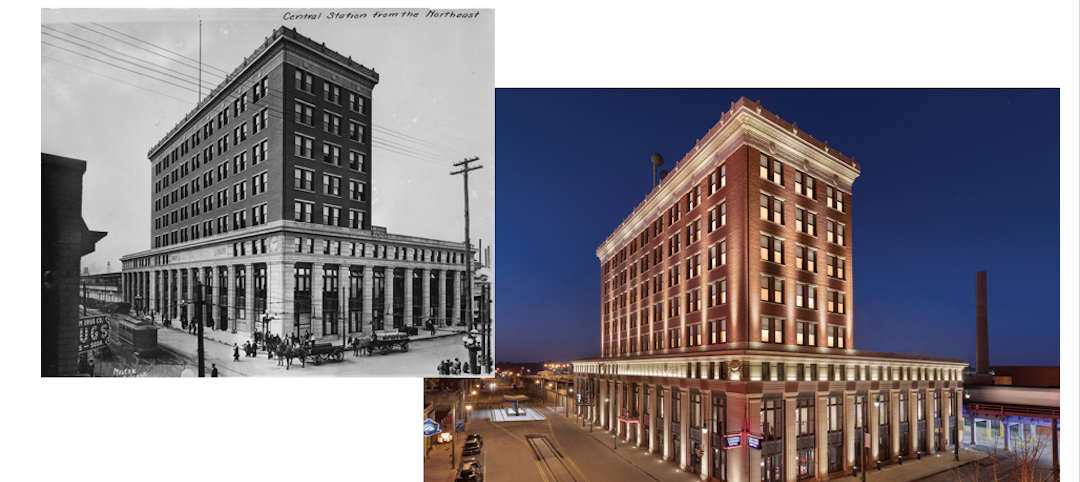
(457, 366)
(466, 367)
(235, 352)
(213, 370)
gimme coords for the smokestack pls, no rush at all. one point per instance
(982, 344)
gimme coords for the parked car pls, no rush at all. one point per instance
(470, 472)
(475, 437)
(471, 448)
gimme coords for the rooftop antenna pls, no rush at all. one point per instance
(657, 161)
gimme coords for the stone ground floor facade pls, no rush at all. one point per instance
(292, 278)
(806, 409)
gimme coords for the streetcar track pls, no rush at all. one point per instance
(551, 458)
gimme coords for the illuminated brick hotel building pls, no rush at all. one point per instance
(262, 194)
(727, 317)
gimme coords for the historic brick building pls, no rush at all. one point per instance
(262, 194)
(727, 311)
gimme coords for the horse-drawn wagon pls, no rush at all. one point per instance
(321, 352)
(384, 341)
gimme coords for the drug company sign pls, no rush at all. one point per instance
(93, 333)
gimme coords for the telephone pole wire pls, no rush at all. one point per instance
(468, 255)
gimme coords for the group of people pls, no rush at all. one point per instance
(447, 367)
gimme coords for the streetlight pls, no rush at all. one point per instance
(197, 319)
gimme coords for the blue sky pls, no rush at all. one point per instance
(953, 182)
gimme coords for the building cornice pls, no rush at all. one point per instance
(256, 59)
(745, 123)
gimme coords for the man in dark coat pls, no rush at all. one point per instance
(235, 352)
(213, 370)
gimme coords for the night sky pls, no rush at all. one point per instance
(953, 182)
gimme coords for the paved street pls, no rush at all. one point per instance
(560, 449)
(425, 353)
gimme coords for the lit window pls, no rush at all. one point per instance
(772, 169)
(693, 266)
(693, 198)
(835, 232)
(804, 185)
(836, 302)
(772, 289)
(805, 258)
(772, 330)
(772, 209)
(805, 221)
(836, 267)
(772, 249)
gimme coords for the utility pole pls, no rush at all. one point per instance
(468, 254)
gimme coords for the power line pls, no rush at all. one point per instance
(150, 51)
(111, 78)
(85, 41)
(117, 66)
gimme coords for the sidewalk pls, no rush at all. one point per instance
(909, 471)
(229, 338)
(437, 464)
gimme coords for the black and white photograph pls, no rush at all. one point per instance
(267, 192)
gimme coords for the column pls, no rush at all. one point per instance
(1005, 424)
(215, 282)
(665, 444)
(821, 434)
(178, 290)
(425, 285)
(640, 401)
(455, 311)
(913, 423)
(365, 316)
(408, 316)
(930, 421)
(343, 301)
(317, 287)
(230, 285)
(706, 435)
(972, 417)
(684, 430)
(388, 301)
(442, 297)
(249, 297)
(871, 397)
(790, 435)
(280, 284)
(753, 470)
(852, 439)
(653, 409)
(152, 297)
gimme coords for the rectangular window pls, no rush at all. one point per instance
(260, 89)
(837, 335)
(772, 330)
(332, 123)
(258, 121)
(718, 293)
(673, 214)
(331, 185)
(673, 245)
(693, 333)
(258, 184)
(836, 302)
(305, 147)
(805, 221)
(693, 231)
(331, 154)
(693, 266)
(772, 209)
(806, 258)
(356, 190)
(834, 198)
(356, 219)
(304, 81)
(357, 103)
(239, 191)
(772, 249)
(772, 289)
(331, 93)
(240, 162)
(804, 185)
(357, 161)
(806, 296)
(772, 169)
(305, 179)
(331, 215)
(693, 300)
(239, 220)
(836, 267)
(693, 198)
(356, 132)
(303, 211)
(258, 215)
(305, 114)
(673, 276)
(805, 334)
(835, 232)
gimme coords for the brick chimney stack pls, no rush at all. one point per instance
(982, 348)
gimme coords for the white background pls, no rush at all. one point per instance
(350, 429)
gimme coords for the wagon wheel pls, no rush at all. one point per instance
(317, 359)
(385, 349)
(370, 349)
(405, 346)
(339, 355)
